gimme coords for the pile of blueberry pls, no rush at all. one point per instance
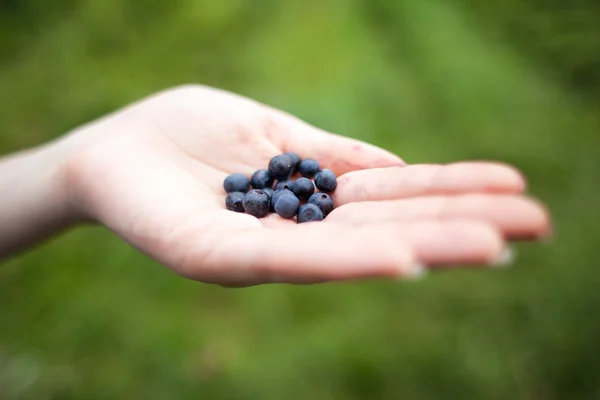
(289, 198)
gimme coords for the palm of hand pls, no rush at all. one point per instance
(153, 173)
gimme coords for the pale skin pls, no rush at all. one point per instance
(153, 174)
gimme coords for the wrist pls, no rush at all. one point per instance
(39, 198)
(34, 199)
(54, 158)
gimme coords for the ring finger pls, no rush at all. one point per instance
(514, 216)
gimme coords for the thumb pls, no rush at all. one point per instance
(336, 152)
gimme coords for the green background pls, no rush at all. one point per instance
(85, 316)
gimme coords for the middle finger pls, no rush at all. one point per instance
(425, 180)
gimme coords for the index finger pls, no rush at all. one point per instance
(336, 152)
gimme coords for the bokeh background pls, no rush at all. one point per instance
(85, 316)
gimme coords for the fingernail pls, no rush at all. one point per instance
(504, 259)
(415, 272)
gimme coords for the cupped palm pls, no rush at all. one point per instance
(153, 173)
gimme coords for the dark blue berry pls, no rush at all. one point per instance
(236, 183)
(325, 181)
(280, 167)
(303, 188)
(276, 196)
(286, 184)
(234, 201)
(323, 201)
(309, 212)
(308, 168)
(261, 179)
(295, 160)
(287, 206)
(269, 192)
(256, 202)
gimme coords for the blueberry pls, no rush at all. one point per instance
(295, 160)
(269, 192)
(308, 168)
(280, 167)
(261, 179)
(303, 188)
(236, 183)
(325, 181)
(323, 201)
(287, 206)
(256, 202)
(309, 212)
(276, 196)
(234, 201)
(285, 184)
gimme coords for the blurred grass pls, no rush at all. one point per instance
(85, 316)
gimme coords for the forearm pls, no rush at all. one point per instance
(34, 197)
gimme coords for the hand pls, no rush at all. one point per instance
(153, 173)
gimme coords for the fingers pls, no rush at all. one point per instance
(437, 244)
(514, 216)
(338, 153)
(342, 154)
(317, 252)
(425, 180)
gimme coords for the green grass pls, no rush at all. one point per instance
(85, 316)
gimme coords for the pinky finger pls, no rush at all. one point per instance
(309, 253)
(320, 252)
